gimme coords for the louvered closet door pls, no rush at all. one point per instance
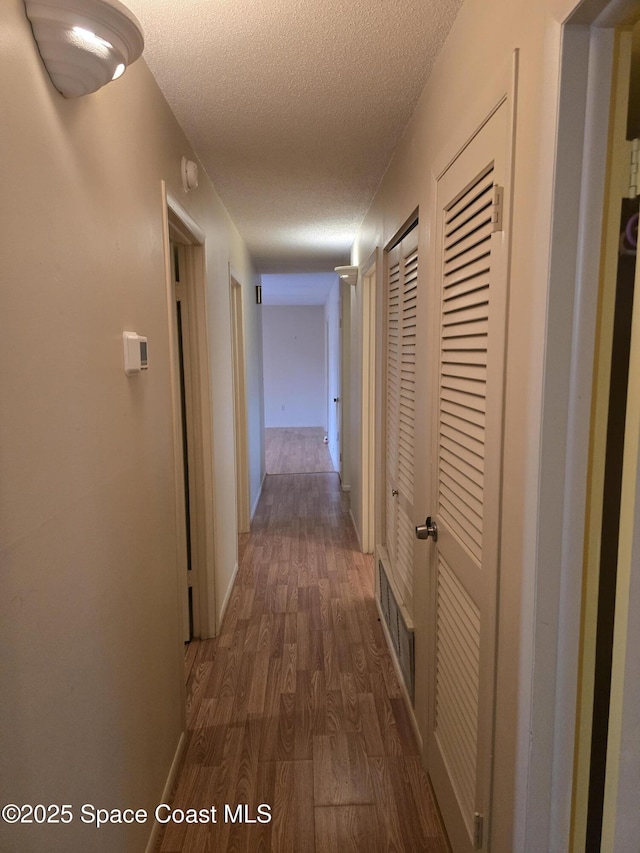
(467, 455)
(402, 292)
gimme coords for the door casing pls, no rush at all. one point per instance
(180, 227)
(240, 405)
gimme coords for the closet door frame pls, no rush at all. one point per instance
(408, 234)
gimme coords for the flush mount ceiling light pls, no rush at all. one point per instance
(348, 274)
(84, 44)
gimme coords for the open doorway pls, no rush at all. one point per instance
(193, 444)
(301, 373)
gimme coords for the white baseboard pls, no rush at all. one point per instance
(355, 527)
(257, 500)
(227, 596)
(166, 794)
(396, 665)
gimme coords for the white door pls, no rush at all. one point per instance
(467, 458)
(400, 395)
(335, 397)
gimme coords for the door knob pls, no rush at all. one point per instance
(394, 493)
(428, 529)
(336, 399)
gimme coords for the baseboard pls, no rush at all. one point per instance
(227, 596)
(166, 794)
(398, 670)
(355, 527)
(257, 500)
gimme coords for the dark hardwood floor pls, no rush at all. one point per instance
(296, 703)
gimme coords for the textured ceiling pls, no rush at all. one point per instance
(294, 107)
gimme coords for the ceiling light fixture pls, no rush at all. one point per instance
(348, 274)
(189, 172)
(84, 44)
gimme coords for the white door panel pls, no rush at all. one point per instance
(467, 460)
(400, 400)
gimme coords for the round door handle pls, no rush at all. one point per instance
(428, 529)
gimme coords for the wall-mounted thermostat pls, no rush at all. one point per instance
(135, 353)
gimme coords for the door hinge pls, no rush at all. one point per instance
(633, 168)
(478, 826)
(497, 207)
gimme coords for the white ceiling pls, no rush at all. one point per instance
(294, 107)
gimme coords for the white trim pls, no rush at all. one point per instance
(355, 527)
(583, 342)
(196, 233)
(258, 496)
(227, 596)
(176, 428)
(236, 296)
(204, 509)
(367, 281)
(550, 632)
(167, 791)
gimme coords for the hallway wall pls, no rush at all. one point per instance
(91, 708)
(294, 366)
(473, 71)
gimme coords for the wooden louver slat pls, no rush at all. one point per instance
(464, 325)
(471, 321)
(401, 336)
(457, 683)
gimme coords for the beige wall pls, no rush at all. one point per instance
(471, 74)
(91, 708)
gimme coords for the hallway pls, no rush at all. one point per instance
(296, 703)
(296, 450)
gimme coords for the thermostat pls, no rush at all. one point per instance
(135, 353)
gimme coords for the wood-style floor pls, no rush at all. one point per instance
(296, 450)
(296, 704)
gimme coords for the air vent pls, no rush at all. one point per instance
(402, 637)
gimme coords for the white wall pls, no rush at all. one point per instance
(294, 365)
(91, 708)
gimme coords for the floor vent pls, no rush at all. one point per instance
(402, 638)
